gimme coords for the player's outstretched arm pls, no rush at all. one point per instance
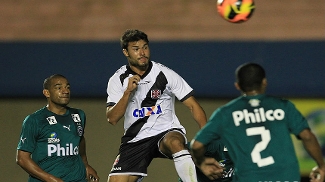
(311, 145)
(196, 110)
(209, 166)
(25, 161)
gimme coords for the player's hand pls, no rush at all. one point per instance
(317, 174)
(91, 174)
(212, 169)
(133, 82)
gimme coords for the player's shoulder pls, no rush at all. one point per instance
(120, 71)
(116, 77)
(37, 116)
(229, 105)
(74, 110)
(168, 72)
(273, 97)
(160, 66)
(42, 112)
(278, 100)
(256, 100)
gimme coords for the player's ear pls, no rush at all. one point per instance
(46, 93)
(125, 52)
(237, 86)
(264, 83)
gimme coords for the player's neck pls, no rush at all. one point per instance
(252, 93)
(139, 71)
(59, 110)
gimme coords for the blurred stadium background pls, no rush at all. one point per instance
(79, 38)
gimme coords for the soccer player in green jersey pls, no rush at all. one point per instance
(52, 146)
(256, 129)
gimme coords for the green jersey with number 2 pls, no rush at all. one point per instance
(256, 130)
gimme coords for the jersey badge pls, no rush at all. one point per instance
(155, 94)
(254, 102)
(76, 118)
(51, 120)
(80, 130)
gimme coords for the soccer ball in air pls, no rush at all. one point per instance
(235, 11)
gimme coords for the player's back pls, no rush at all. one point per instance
(256, 131)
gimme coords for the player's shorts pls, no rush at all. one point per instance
(134, 158)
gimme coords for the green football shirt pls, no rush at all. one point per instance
(256, 130)
(53, 140)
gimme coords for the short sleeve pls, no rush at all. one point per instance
(178, 86)
(296, 121)
(28, 135)
(114, 91)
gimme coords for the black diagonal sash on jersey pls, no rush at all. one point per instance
(126, 74)
(160, 84)
(130, 71)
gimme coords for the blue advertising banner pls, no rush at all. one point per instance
(294, 68)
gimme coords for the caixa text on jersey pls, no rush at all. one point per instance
(147, 111)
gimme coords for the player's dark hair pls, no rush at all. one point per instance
(47, 81)
(250, 76)
(132, 35)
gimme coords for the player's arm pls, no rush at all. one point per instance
(91, 172)
(116, 112)
(311, 145)
(24, 160)
(196, 110)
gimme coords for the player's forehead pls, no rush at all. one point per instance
(138, 43)
(55, 81)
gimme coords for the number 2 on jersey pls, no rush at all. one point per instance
(260, 146)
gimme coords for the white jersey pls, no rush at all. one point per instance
(151, 108)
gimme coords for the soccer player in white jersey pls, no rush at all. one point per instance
(144, 93)
(256, 129)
